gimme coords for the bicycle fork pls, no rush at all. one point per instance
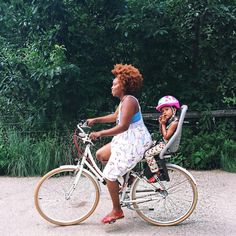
(78, 172)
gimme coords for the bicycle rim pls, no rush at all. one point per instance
(52, 201)
(170, 207)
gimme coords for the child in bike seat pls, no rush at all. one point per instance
(168, 122)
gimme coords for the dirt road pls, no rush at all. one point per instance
(215, 213)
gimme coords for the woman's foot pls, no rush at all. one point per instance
(112, 217)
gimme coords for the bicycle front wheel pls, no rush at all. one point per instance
(60, 202)
(166, 207)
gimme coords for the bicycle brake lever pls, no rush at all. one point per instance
(84, 124)
(87, 139)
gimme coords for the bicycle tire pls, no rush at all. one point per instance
(170, 207)
(50, 196)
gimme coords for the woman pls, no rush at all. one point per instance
(131, 137)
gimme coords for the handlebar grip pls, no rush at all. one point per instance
(82, 135)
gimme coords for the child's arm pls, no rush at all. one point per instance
(167, 133)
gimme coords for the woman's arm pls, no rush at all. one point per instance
(129, 108)
(103, 119)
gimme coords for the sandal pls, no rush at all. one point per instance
(112, 219)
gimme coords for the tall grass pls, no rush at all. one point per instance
(22, 155)
(228, 156)
(51, 153)
(19, 151)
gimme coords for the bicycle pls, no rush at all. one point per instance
(70, 194)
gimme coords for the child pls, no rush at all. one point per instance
(168, 121)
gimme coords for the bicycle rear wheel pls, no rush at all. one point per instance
(166, 207)
(56, 206)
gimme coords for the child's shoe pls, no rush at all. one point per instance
(155, 177)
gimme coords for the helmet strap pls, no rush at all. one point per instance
(173, 115)
(173, 112)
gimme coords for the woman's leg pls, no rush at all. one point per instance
(103, 154)
(116, 213)
(113, 188)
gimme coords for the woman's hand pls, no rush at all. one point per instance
(91, 122)
(95, 135)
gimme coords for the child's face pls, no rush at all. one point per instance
(167, 112)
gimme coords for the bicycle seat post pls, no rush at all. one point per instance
(124, 189)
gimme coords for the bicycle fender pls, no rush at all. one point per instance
(67, 166)
(184, 170)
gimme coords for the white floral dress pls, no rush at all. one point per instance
(127, 148)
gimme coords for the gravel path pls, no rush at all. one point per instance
(215, 213)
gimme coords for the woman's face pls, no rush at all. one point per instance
(117, 88)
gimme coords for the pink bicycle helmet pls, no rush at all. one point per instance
(168, 101)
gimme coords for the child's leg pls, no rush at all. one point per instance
(149, 156)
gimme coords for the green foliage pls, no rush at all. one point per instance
(227, 154)
(22, 155)
(179, 159)
(203, 150)
(181, 48)
(19, 154)
(228, 86)
(51, 153)
(56, 57)
(206, 121)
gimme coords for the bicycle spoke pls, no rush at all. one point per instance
(170, 206)
(52, 202)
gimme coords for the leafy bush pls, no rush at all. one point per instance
(3, 159)
(56, 55)
(228, 157)
(203, 145)
(24, 155)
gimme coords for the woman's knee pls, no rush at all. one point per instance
(99, 155)
(104, 153)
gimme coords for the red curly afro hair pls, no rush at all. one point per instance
(129, 76)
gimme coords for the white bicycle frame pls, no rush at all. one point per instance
(97, 174)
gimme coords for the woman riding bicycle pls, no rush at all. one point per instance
(131, 137)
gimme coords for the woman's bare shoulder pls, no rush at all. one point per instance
(130, 102)
(131, 99)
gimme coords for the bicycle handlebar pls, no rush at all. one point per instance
(83, 135)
